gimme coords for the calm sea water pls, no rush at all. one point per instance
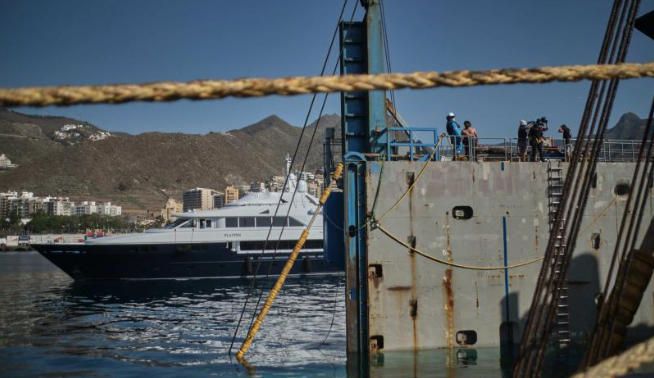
(52, 326)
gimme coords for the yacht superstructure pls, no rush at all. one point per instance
(258, 230)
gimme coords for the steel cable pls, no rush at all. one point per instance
(574, 197)
(583, 190)
(306, 156)
(286, 180)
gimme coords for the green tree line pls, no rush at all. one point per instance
(43, 223)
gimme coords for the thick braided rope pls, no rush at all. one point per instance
(215, 89)
(622, 364)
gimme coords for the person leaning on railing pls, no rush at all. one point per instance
(469, 134)
(567, 135)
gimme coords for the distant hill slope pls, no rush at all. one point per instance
(629, 126)
(141, 171)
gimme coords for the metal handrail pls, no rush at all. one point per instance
(612, 150)
(411, 143)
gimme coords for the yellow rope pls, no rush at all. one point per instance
(285, 271)
(413, 184)
(453, 264)
(257, 87)
(462, 266)
(622, 364)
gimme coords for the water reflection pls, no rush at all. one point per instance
(457, 362)
(184, 325)
(52, 325)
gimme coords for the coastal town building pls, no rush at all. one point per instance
(26, 204)
(231, 194)
(5, 163)
(86, 208)
(276, 183)
(171, 208)
(106, 208)
(243, 190)
(198, 199)
(61, 206)
(218, 200)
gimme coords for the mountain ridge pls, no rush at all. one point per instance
(141, 171)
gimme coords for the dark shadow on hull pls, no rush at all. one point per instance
(583, 287)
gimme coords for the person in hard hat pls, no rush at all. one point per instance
(469, 135)
(523, 131)
(454, 131)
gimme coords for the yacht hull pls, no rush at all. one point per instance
(174, 261)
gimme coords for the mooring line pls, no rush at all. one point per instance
(453, 264)
(298, 85)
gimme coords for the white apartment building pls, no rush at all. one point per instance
(86, 208)
(59, 206)
(5, 163)
(106, 208)
(27, 204)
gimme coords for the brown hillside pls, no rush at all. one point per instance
(141, 171)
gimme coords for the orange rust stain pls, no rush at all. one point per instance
(449, 307)
(448, 292)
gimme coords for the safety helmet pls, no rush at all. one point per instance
(523, 122)
(450, 115)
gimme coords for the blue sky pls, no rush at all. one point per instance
(92, 42)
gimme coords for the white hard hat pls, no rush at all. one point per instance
(523, 122)
(450, 115)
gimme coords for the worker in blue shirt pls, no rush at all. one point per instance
(454, 131)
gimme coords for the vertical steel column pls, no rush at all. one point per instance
(363, 121)
(378, 134)
(354, 124)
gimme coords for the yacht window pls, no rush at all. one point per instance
(294, 222)
(279, 245)
(264, 221)
(231, 222)
(279, 221)
(189, 224)
(177, 223)
(246, 222)
(285, 244)
(208, 223)
(219, 223)
(313, 244)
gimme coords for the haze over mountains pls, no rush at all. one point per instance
(141, 171)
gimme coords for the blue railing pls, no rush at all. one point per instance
(413, 142)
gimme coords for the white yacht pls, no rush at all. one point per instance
(252, 235)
